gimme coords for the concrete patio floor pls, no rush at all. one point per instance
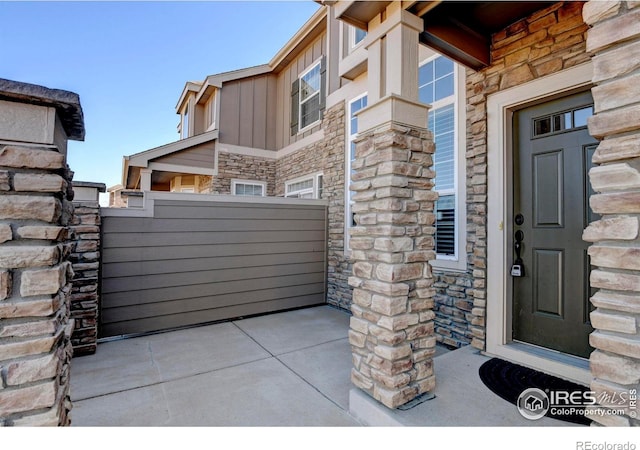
(284, 369)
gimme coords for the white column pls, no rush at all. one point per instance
(392, 46)
(145, 180)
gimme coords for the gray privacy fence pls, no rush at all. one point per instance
(187, 259)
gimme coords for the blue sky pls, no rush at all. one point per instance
(129, 61)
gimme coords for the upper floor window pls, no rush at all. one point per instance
(309, 186)
(308, 97)
(248, 188)
(184, 129)
(356, 35)
(211, 112)
(437, 81)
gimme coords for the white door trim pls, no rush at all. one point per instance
(500, 108)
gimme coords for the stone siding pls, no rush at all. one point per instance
(614, 42)
(392, 328)
(326, 156)
(35, 286)
(453, 306)
(85, 258)
(548, 41)
(233, 165)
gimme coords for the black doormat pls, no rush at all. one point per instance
(508, 381)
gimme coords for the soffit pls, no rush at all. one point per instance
(459, 29)
(463, 30)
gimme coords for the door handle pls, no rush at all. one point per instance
(517, 270)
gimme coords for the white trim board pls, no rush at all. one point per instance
(500, 107)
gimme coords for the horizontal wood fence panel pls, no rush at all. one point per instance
(145, 310)
(195, 262)
(209, 315)
(141, 239)
(175, 252)
(199, 290)
(137, 268)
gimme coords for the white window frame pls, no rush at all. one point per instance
(458, 261)
(262, 184)
(347, 193)
(212, 111)
(188, 190)
(301, 129)
(314, 190)
(184, 122)
(352, 37)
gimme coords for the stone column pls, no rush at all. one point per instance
(85, 256)
(392, 331)
(35, 274)
(614, 43)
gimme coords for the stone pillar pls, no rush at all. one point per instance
(614, 43)
(392, 330)
(35, 274)
(85, 257)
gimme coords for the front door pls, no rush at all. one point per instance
(552, 156)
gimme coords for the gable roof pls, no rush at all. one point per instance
(303, 37)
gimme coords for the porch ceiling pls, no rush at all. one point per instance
(460, 30)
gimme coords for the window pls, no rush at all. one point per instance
(307, 98)
(184, 130)
(248, 188)
(310, 97)
(437, 81)
(189, 190)
(356, 35)
(211, 112)
(354, 106)
(558, 123)
(310, 186)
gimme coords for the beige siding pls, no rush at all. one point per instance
(244, 112)
(202, 155)
(286, 77)
(199, 120)
(196, 262)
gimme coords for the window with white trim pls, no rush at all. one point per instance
(308, 97)
(211, 112)
(184, 129)
(356, 36)
(309, 186)
(437, 87)
(248, 188)
(355, 105)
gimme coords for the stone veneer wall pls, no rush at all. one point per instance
(453, 305)
(85, 258)
(392, 328)
(35, 285)
(614, 42)
(549, 40)
(233, 165)
(326, 156)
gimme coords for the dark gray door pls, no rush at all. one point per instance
(552, 156)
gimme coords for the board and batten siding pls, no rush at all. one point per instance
(195, 262)
(246, 117)
(312, 53)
